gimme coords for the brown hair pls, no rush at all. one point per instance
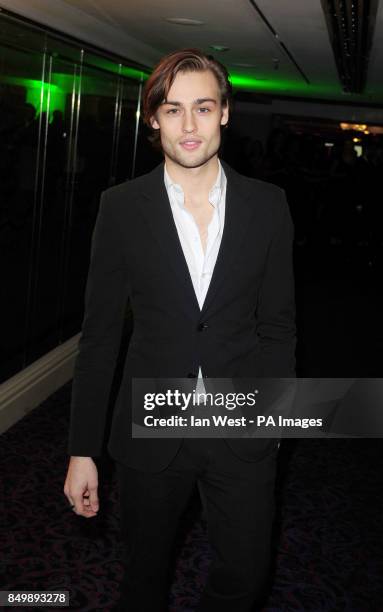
(160, 81)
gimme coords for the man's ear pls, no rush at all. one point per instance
(225, 115)
(154, 123)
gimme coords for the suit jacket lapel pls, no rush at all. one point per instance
(159, 217)
(238, 213)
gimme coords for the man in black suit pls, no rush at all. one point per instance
(204, 255)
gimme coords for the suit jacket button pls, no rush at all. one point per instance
(202, 326)
(191, 375)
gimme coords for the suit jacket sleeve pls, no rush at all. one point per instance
(106, 296)
(276, 305)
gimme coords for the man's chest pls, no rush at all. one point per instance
(201, 216)
(157, 241)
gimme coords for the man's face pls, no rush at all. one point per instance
(189, 120)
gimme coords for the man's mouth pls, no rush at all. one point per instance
(190, 144)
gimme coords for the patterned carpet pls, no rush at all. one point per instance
(328, 532)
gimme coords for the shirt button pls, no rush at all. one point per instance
(202, 326)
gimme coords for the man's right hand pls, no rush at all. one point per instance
(81, 486)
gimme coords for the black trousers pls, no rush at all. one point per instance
(238, 497)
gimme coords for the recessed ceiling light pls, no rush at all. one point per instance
(184, 21)
(219, 48)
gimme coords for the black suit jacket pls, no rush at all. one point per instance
(249, 310)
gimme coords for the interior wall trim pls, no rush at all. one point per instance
(26, 390)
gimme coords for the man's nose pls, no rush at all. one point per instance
(189, 123)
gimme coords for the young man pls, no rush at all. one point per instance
(205, 257)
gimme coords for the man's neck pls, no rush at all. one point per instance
(194, 181)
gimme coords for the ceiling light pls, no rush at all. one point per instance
(184, 21)
(351, 26)
(219, 48)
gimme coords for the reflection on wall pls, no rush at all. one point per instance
(42, 96)
(68, 130)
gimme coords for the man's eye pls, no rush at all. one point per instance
(172, 111)
(203, 109)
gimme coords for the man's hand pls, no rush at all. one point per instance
(81, 486)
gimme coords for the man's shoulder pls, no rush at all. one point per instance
(259, 191)
(250, 183)
(134, 186)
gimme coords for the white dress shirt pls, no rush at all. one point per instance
(200, 264)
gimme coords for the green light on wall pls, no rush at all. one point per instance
(43, 96)
(46, 98)
(279, 86)
(132, 73)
